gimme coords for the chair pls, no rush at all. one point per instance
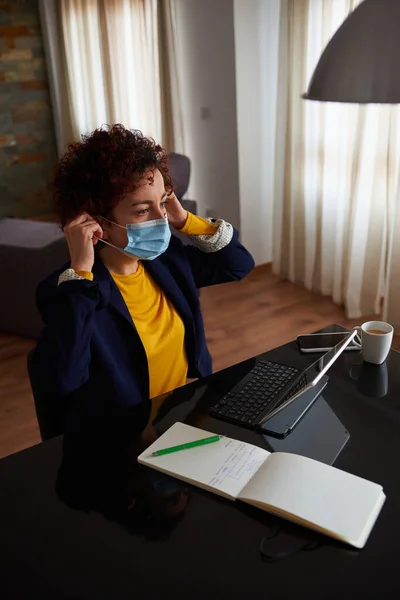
(179, 168)
(49, 408)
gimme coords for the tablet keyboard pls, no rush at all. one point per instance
(258, 390)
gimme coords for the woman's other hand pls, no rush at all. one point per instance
(82, 235)
(177, 215)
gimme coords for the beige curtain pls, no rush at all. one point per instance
(170, 85)
(56, 63)
(116, 64)
(337, 180)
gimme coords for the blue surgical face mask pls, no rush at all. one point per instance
(146, 240)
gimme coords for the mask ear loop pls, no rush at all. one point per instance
(112, 222)
(108, 243)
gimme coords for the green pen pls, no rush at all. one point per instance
(208, 440)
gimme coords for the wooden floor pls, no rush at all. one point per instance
(242, 319)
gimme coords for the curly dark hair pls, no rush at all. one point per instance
(95, 173)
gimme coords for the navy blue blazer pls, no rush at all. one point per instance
(90, 354)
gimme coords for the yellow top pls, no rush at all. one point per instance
(197, 226)
(159, 326)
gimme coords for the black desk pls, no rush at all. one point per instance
(211, 549)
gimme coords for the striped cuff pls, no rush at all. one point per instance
(216, 241)
(68, 275)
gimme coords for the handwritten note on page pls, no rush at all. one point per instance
(225, 466)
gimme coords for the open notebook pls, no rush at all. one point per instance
(296, 488)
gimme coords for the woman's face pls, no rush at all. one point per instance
(146, 203)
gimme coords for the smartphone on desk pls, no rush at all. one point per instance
(322, 342)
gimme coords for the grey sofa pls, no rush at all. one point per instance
(29, 251)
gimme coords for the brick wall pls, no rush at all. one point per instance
(27, 141)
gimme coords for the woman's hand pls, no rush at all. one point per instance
(177, 215)
(82, 235)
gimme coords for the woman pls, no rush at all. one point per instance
(122, 321)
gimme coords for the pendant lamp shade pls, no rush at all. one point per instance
(361, 63)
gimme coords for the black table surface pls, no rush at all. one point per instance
(67, 533)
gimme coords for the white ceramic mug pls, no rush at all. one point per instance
(376, 340)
